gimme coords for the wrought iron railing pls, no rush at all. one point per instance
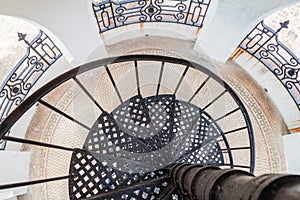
(41, 53)
(153, 131)
(112, 14)
(263, 43)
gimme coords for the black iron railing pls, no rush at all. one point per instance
(263, 43)
(137, 132)
(112, 14)
(41, 53)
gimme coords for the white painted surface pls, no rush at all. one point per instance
(292, 148)
(233, 20)
(170, 30)
(19, 129)
(273, 87)
(73, 27)
(68, 24)
(14, 168)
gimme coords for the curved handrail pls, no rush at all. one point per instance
(35, 97)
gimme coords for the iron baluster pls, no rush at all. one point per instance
(282, 25)
(235, 130)
(160, 77)
(63, 114)
(213, 101)
(28, 183)
(227, 114)
(113, 83)
(42, 144)
(88, 94)
(198, 90)
(181, 79)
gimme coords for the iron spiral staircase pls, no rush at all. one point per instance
(141, 126)
(132, 145)
(166, 122)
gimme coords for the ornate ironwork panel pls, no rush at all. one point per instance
(263, 43)
(112, 14)
(40, 55)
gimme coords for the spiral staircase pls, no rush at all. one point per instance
(145, 108)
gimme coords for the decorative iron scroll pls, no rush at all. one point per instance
(263, 43)
(40, 55)
(112, 14)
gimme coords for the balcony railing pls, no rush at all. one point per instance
(112, 14)
(263, 43)
(40, 55)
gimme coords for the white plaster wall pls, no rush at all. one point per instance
(73, 26)
(284, 104)
(14, 168)
(292, 148)
(273, 87)
(67, 22)
(19, 129)
(170, 30)
(233, 20)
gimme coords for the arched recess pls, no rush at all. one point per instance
(120, 21)
(274, 66)
(67, 22)
(264, 55)
(27, 53)
(50, 34)
(233, 20)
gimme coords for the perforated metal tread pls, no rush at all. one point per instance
(136, 142)
(177, 131)
(91, 177)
